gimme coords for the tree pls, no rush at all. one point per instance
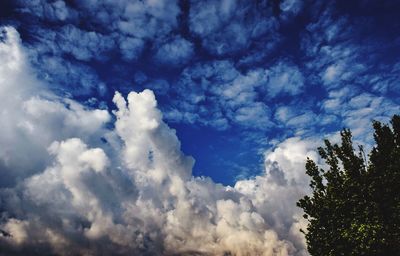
(354, 208)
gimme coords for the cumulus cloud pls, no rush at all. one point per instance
(70, 41)
(34, 117)
(290, 8)
(221, 96)
(338, 46)
(357, 110)
(83, 45)
(54, 11)
(82, 180)
(227, 27)
(72, 77)
(176, 52)
(303, 121)
(131, 47)
(134, 193)
(145, 19)
(284, 78)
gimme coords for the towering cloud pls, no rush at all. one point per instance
(70, 185)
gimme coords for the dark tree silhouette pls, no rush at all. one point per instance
(354, 208)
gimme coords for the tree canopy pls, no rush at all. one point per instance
(354, 208)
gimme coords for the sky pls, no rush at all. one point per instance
(180, 127)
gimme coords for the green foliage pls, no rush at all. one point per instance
(354, 208)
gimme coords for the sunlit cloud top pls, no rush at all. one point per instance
(180, 127)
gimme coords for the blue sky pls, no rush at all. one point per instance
(219, 103)
(232, 78)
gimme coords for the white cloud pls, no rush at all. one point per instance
(205, 18)
(70, 41)
(357, 110)
(131, 47)
(256, 115)
(175, 52)
(301, 120)
(227, 27)
(284, 78)
(33, 117)
(331, 73)
(290, 155)
(134, 194)
(291, 7)
(145, 19)
(54, 11)
(83, 45)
